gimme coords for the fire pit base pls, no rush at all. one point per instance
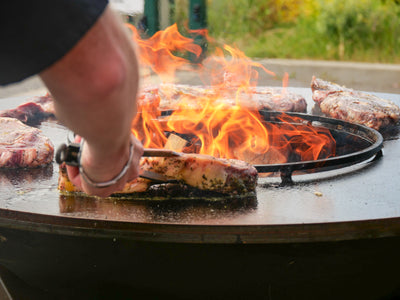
(333, 237)
(76, 267)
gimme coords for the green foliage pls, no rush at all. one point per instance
(358, 26)
(239, 17)
(359, 30)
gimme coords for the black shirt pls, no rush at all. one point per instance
(35, 34)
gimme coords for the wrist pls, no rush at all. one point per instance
(105, 169)
(109, 149)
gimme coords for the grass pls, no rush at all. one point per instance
(346, 30)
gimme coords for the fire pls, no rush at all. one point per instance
(159, 51)
(221, 120)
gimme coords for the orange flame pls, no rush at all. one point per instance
(220, 120)
(157, 52)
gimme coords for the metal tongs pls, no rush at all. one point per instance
(70, 154)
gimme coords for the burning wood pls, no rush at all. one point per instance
(235, 132)
(221, 118)
(175, 143)
(221, 124)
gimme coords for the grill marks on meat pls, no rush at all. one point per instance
(32, 112)
(22, 145)
(203, 172)
(353, 106)
(170, 96)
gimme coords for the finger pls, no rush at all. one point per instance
(73, 172)
(74, 176)
(78, 139)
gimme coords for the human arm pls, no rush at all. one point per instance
(95, 87)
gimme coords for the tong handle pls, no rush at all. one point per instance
(155, 152)
(68, 154)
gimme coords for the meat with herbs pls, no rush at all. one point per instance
(206, 172)
(23, 146)
(354, 106)
(203, 172)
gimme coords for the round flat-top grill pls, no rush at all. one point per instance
(339, 225)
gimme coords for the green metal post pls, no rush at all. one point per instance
(151, 17)
(198, 20)
(197, 14)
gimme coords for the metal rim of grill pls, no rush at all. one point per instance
(372, 136)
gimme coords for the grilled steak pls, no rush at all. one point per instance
(33, 111)
(203, 172)
(168, 96)
(22, 145)
(353, 106)
(274, 99)
(206, 172)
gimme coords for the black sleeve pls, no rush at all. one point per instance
(35, 34)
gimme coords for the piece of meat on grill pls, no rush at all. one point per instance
(354, 106)
(33, 111)
(204, 172)
(23, 146)
(170, 96)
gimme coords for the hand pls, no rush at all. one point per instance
(103, 166)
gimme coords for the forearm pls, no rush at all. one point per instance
(95, 87)
(95, 84)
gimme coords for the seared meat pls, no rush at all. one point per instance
(274, 99)
(353, 106)
(33, 111)
(206, 172)
(278, 99)
(22, 145)
(200, 171)
(169, 96)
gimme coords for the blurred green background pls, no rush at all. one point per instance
(346, 30)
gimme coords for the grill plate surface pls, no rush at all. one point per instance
(357, 201)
